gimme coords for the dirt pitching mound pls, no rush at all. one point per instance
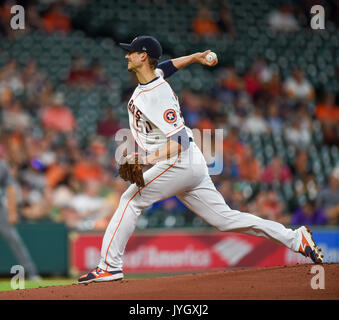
(287, 282)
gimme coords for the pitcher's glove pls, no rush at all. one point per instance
(130, 169)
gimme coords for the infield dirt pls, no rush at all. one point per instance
(273, 283)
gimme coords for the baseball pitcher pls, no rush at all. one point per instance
(178, 165)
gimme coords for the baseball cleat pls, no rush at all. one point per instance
(99, 275)
(308, 248)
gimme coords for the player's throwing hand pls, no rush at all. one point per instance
(200, 57)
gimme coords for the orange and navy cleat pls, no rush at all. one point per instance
(99, 275)
(308, 248)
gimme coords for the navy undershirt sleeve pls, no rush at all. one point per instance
(167, 67)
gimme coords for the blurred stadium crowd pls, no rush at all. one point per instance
(64, 89)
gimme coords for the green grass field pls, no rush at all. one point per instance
(5, 284)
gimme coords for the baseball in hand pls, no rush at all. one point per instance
(211, 56)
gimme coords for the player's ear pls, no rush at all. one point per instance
(143, 56)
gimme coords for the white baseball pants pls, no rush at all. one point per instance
(185, 176)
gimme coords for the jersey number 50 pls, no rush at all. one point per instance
(143, 126)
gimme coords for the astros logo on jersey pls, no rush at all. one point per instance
(170, 116)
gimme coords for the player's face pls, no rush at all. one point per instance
(134, 60)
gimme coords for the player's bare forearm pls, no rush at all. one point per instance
(12, 205)
(198, 57)
(168, 150)
(184, 61)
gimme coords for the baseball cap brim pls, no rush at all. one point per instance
(125, 46)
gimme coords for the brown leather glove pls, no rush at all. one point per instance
(130, 169)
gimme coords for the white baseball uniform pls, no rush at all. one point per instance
(154, 116)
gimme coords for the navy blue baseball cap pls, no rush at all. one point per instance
(147, 44)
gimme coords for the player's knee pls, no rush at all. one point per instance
(129, 198)
(126, 197)
(216, 224)
(220, 227)
(130, 193)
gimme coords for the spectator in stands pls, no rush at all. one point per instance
(34, 205)
(211, 107)
(89, 206)
(16, 118)
(33, 20)
(46, 96)
(6, 99)
(98, 76)
(301, 168)
(171, 206)
(269, 206)
(225, 23)
(56, 171)
(58, 116)
(283, 19)
(252, 82)
(327, 112)
(262, 70)
(249, 167)
(33, 175)
(305, 115)
(230, 84)
(60, 197)
(255, 122)
(109, 125)
(5, 20)
(87, 169)
(239, 201)
(296, 134)
(205, 123)
(230, 166)
(33, 190)
(225, 188)
(33, 79)
(274, 121)
(233, 145)
(235, 118)
(80, 73)
(98, 149)
(10, 78)
(68, 216)
(276, 171)
(298, 88)
(56, 20)
(204, 24)
(191, 108)
(308, 214)
(328, 197)
(243, 105)
(15, 147)
(274, 86)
